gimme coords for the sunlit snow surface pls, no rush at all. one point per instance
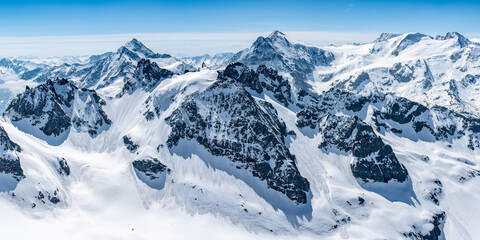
(103, 198)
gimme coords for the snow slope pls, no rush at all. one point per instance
(372, 141)
(216, 61)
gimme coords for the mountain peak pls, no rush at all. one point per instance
(462, 40)
(449, 35)
(276, 34)
(134, 42)
(409, 39)
(136, 46)
(147, 76)
(276, 37)
(386, 36)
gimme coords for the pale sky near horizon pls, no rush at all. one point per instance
(192, 27)
(178, 44)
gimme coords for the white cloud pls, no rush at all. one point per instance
(173, 43)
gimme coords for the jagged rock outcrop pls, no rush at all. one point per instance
(461, 40)
(18, 66)
(9, 162)
(402, 72)
(42, 196)
(435, 194)
(374, 160)
(437, 221)
(146, 77)
(415, 72)
(151, 171)
(261, 80)
(361, 121)
(386, 36)
(416, 119)
(470, 79)
(278, 52)
(51, 108)
(229, 122)
(103, 70)
(63, 168)
(150, 167)
(129, 144)
(354, 83)
(395, 114)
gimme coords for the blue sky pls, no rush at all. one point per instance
(30, 18)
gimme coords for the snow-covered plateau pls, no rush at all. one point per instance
(282, 140)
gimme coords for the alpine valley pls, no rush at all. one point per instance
(283, 139)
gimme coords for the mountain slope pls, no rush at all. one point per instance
(49, 110)
(110, 70)
(285, 55)
(10, 170)
(287, 141)
(216, 61)
(229, 123)
(413, 66)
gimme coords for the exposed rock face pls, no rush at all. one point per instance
(146, 77)
(9, 161)
(461, 40)
(43, 102)
(386, 36)
(401, 110)
(407, 41)
(105, 69)
(53, 198)
(137, 47)
(436, 193)
(398, 115)
(129, 144)
(151, 172)
(440, 123)
(54, 106)
(415, 71)
(150, 167)
(259, 80)
(6, 143)
(437, 221)
(374, 160)
(229, 122)
(359, 80)
(19, 66)
(278, 52)
(470, 79)
(402, 72)
(63, 167)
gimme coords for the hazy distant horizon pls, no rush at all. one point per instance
(191, 27)
(177, 44)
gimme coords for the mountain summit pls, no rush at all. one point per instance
(275, 35)
(462, 40)
(285, 139)
(278, 52)
(109, 69)
(140, 49)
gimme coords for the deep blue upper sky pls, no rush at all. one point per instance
(74, 17)
(192, 27)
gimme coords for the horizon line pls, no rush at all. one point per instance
(169, 42)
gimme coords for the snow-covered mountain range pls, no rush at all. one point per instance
(207, 61)
(280, 140)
